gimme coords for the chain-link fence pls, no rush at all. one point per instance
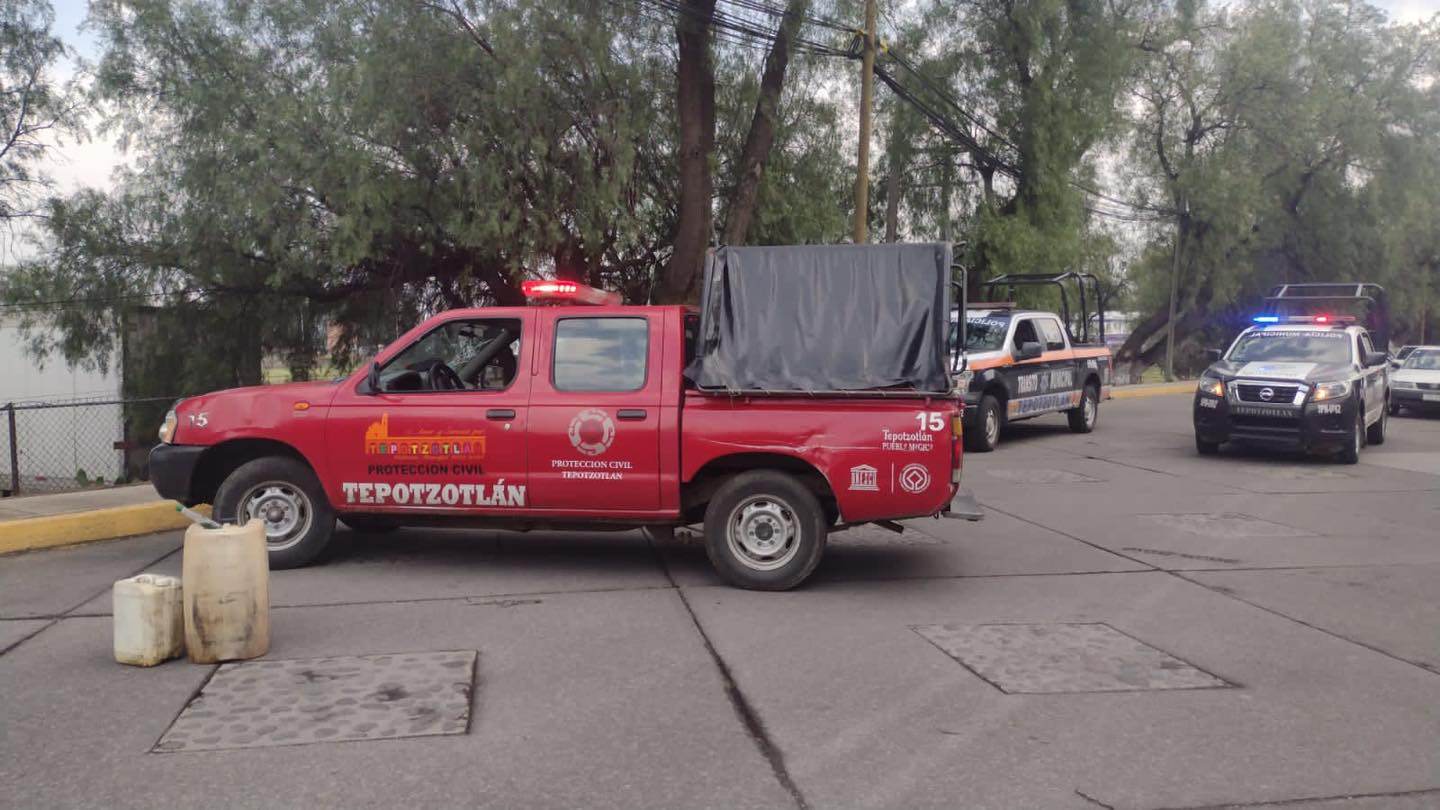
(58, 446)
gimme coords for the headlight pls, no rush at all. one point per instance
(1211, 386)
(1405, 384)
(167, 429)
(1331, 390)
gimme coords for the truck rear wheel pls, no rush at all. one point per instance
(1375, 434)
(1356, 440)
(287, 496)
(764, 531)
(1082, 419)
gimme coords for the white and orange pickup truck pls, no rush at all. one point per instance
(1023, 363)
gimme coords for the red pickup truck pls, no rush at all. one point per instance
(564, 417)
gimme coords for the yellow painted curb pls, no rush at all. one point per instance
(1165, 389)
(26, 534)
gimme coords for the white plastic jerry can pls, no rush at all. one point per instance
(149, 624)
(227, 592)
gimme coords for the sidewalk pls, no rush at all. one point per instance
(1152, 389)
(30, 506)
(41, 521)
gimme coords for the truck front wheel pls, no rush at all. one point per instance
(287, 496)
(764, 531)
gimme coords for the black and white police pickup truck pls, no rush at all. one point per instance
(1309, 382)
(1022, 363)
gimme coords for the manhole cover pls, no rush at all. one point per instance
(1224, 525)
(1044, 476)
(309, 700)
(1057, 657)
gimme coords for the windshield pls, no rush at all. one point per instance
(985, 334)
(1295, 347)
(1427, 361)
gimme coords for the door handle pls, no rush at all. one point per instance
(631, 414)
(500, 414)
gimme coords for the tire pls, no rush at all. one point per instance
(989, 420)
(1082, 419)
(304, 521)
(1205, 448)
(1394, 409)
(741, 523)
(1375, 434)
(1351, 454)
(370, 524)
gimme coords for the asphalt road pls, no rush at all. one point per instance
(1133, 626)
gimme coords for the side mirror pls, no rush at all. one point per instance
(1373, 359)
(372, 380)
(1029, 351)
(1213, 355)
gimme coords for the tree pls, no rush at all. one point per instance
(32, 106)
(1282, 138)
(1045, 75)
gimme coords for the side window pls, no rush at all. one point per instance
(1025, 333)
(459, 355)
(1054, 340)
(601, 354)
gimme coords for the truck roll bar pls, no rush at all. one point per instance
(1013, 280)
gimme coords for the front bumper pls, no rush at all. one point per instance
(1414, 396)
(172, 469)
(1314, 427)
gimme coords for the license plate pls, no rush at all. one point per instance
(1430, 397)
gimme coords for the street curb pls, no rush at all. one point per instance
(1157, 390)
(27, 534)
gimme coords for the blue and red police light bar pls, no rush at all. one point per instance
(561, 291)
(1321, 320)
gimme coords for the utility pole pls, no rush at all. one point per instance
(867, 93)
(1174, 285)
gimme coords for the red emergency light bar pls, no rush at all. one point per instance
(561, 291)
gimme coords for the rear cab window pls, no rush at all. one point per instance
(606, 353)
(1051, 332)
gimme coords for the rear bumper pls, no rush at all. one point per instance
(172, 469)
(1314, 427)
(963, 507)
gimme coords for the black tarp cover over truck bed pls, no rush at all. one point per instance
(824, 319)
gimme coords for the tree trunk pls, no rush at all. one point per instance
(760, 138)
(695, 106)
(893, 198)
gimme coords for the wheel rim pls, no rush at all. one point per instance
(1090, 410)
(992, 426)
(762, 533)
(283, 508)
